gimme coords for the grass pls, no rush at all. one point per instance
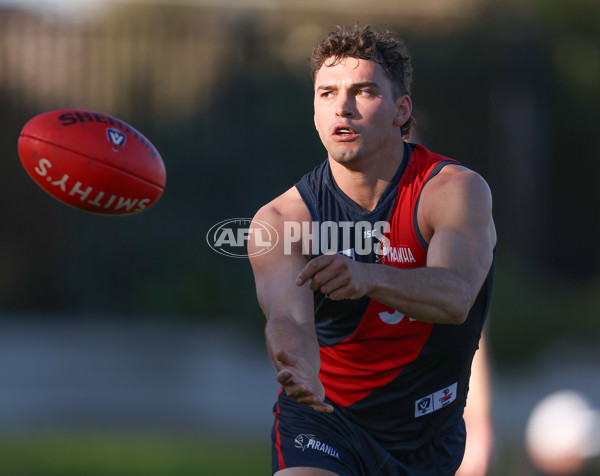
(130, 455)
(88, 454)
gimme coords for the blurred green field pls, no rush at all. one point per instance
(131, 455)
(126, 454)
(159, 455)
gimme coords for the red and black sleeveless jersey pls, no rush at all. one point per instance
(403, 380)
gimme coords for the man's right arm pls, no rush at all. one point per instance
(290, 329)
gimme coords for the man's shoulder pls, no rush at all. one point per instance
(457, 175)
(443, 171)
(289, 206)
(425, 158)
(278, 214)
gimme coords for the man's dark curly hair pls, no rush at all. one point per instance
(364, 42)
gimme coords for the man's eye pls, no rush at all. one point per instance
(327, 94)
(363, 92)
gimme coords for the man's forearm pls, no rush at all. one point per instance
(283, 333)
(427, 294)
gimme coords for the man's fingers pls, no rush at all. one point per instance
(312, 268)
(328, 273)
(286, 358)
(309, 399)
(316, 404)
(322, 407)
(335, 285)
(299, 386)
(284, 376)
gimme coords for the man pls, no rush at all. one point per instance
(372, 325)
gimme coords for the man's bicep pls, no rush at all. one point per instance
(464, 235)
(468, 254)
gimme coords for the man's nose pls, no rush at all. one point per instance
(345, 105)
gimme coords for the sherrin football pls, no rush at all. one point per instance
(92, 161)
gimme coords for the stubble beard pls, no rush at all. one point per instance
(344, 158)
(346, 155)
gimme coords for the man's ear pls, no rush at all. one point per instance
(403, 110)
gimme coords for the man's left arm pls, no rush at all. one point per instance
(455, 216)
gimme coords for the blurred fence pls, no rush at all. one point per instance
(128, 64)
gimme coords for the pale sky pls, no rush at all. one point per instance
(67, 7)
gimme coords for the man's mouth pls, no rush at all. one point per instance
(344, 131)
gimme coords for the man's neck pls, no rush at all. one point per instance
(365, 181)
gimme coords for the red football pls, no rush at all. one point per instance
(92, 161)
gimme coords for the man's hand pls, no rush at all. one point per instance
(300, 382)
(335, 275)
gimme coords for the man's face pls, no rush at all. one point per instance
(356, 114)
